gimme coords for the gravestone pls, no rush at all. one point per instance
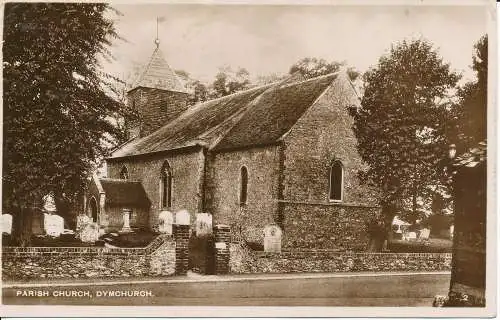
(203, 224)
(166, 220)
(272, 238)
(182, 218)
(53, 224)
(90, 233)
(6, 223)
(82, 220)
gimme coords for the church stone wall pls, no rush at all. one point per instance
(322, 135)
(224, 190)
(187, 170)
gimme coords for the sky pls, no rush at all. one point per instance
(268, 39)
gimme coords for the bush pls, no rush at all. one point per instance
(433, 245)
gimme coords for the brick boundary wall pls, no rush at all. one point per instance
(244, 260)
(159, 258)
(222, 236)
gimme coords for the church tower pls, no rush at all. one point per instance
(157, 94)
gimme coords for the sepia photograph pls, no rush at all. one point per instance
(315, 155)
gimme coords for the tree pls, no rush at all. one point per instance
(228, 81)
(58, 112)
(402, 123)
(314, 67)
(472, 106)
(198, 91)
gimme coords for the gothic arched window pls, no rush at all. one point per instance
(243, 185)
(336, 181)
(166, 185)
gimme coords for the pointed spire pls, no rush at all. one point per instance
(158, 74)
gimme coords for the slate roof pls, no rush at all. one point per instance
(256, 116)
(158, 74)
(473, 157)
(124, 192)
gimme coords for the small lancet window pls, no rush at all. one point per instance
(124, 173)
(243, 185)
(166, 185)
(336, 181)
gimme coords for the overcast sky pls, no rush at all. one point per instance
(267, 39)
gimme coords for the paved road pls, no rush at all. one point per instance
(349, 290)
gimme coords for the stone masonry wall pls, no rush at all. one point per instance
(157, 107)
(223, 190)
(157, 259)
(247, 261)
(325, 226)
(187, 170)
(324, 134)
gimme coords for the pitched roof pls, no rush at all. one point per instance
(158, 74)
(256, 116)
(124, 192)
(472, 157)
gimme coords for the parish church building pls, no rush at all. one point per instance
(282, 153)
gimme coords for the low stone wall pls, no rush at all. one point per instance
(326, 225)
(157, 259)
(244, 260)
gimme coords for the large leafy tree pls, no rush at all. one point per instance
(58, 108)
(472, 106)
(402, 123)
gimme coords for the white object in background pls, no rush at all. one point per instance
(272, 238)
(203, 224)
(182, 218)
(412, 236)
(126, 220)
(165, 221)
(424, 234)
(49, 203)
(90, 233)
(53, 224)
(7, 223)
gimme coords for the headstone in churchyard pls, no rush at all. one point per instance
(272, 238)
(90, 233)
(203, 224)
(182, 217)
(53, 224)
(165, 221)
(6, 223)
(82, 220)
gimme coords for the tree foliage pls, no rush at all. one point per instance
(314, 67)
(229, 81)
(58, 107)
(402, 123)
(472, 106)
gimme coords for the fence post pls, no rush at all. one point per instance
(222, 237)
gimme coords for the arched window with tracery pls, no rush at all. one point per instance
(336, 184)
(166, 185)
(124, 173)
(243, 185)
